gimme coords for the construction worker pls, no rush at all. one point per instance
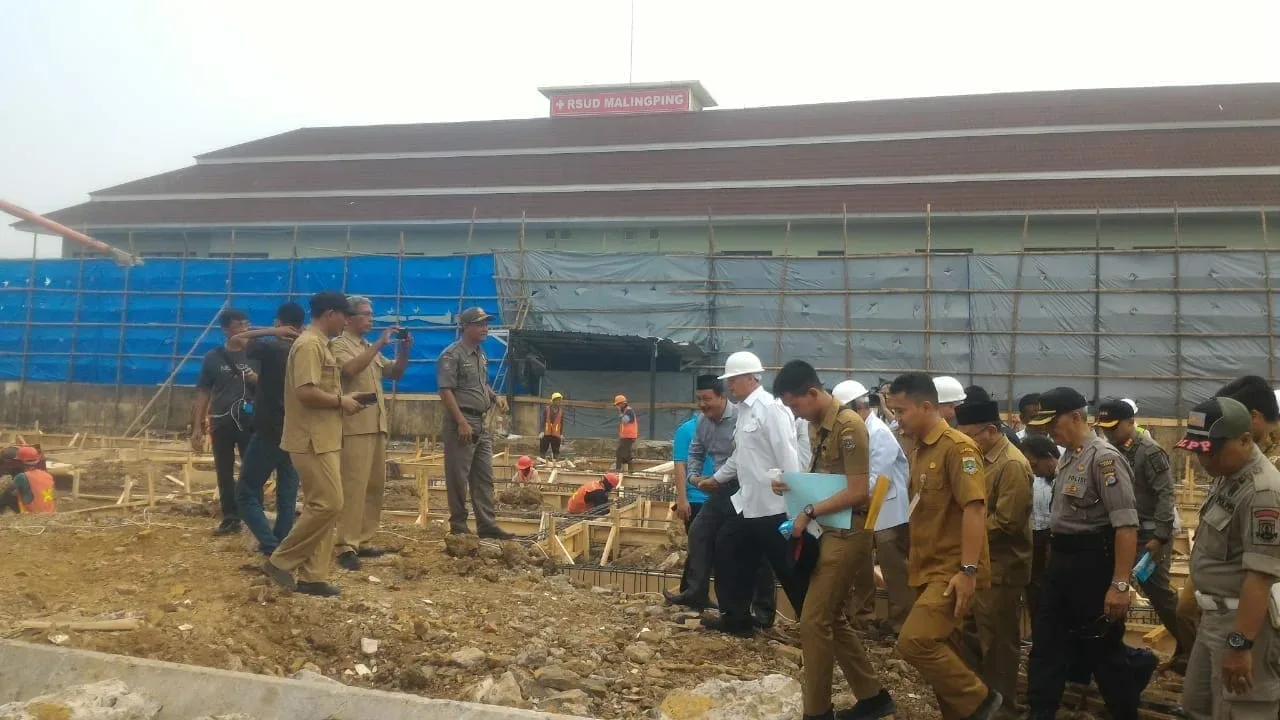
(364, 435)
(1235, 565)
(552, 434)
(1094, 524)
(840, 445)
(892, 535)
(1042, 454)
(462, 374)
(313, 409)
(593, 496)
(949, 559)
(1153, 495)
(764, 440)
(525, 472)
(995, 628)
(950, 394)
(31, 490)
(628, 431)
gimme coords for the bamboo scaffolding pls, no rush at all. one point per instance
(1013, 320)
(177, 331)
(928, 287)
(395, 382)
(844, 274)
(781, 317)
(1177, 313)
(26, 329)
(75, 339)
(124, 316)
(1271, 320)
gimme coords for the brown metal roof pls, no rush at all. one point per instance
(1031, 109)
(1187, 192)
(1182, 149)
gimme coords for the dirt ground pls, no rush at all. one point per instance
(442, 624)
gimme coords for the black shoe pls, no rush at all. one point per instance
(278, 576)
(828, 715)
(762, 621)
(685, 600)
(227, 527)
(371, 552)
(1144, 663)
(989, 707)
(718, 624)
(497, 534)
(349, 561)
(876, 706)
(319, 589)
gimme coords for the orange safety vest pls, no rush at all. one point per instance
(629, 430)
(578, 503)
(42, 496)
(553, 426)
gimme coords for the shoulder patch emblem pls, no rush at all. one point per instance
(847, 443)
(1109, 477)
(1107, 464)
(969, 465)
(1264, 526)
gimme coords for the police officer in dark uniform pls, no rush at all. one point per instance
(1094, 526)
(1153, 496)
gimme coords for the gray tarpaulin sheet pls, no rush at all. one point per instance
(1121, 324)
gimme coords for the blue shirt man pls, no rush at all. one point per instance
(680, 453)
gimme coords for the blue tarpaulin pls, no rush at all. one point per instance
(94, 322)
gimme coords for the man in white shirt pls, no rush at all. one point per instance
(764, 440)
(892, 533)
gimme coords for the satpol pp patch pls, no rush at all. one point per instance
(847, 443)
(969, 465)
(1264, 526)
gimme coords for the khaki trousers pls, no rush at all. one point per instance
(308, 548)
(364, 475)
(1188, 612)
(826, 635)
(1203, 697)
(891, 549)
(994, 633)
(931, 642)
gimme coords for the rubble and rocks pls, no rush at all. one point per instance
(505, 690)
(520, 496)
(468, 657)
(772, 697)
(105, 700)
(461, 546)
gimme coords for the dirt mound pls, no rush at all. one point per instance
(520, 496)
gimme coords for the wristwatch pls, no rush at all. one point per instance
(1237, 641)
(970, 570)
(808, 510)
(1120, 585)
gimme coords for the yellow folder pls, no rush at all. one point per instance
(877, 502)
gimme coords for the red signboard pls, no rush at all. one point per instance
(621, 102)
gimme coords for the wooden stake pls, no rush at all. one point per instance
(1017, 305)
(75, 484)
(1270, 298)
(151, 484)
(928, 287)
(844, 271)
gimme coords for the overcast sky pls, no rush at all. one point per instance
(96, 93)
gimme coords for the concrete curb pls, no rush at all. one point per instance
(188, 691)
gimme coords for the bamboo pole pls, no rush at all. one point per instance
(1097, 303)
(75, 341)
(395, 382)
(782, 294)
(713, 344)
(466, 269)
(1270, 300)
(346, 261)
(174, 373)
(1177, 312)
(177, 326)
(26, 330)
(928, 287)
(1013, 324)
(844, 273)
(124, 316)
(293, 263)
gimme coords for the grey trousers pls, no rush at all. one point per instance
(1202, 694)
(1164, 600)
(468, 467)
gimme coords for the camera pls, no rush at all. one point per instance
(402, 334)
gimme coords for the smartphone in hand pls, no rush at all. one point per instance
(402, 334)
(368, 398)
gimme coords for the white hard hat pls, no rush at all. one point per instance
(1277, 402)
(1131, 404)
(741, 363)
(847, 391)
(949, 389)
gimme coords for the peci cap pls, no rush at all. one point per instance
(473, 316)
(1055, 402)
(323, 302)
(1113, 411)
(978, 412)
(1218, 418)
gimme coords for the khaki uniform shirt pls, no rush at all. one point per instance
(1093, 491)
(1152, 486)
(841, 445)
(946, 475)
(311, 430)
(346, 347)
(465, 371)
(1009, 480)
(1270, 447)
(1239, 530)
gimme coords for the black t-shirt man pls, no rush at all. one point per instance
(271, 356)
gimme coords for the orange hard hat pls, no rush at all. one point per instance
(525, 462)
(611, 479)
(28, 454)
(620, 400)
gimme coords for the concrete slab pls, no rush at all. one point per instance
(188, 691)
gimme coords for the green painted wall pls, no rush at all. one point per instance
(991, 234)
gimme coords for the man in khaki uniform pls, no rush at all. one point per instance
(840, 446)
(462, 374)
(364, 435)
(313, 410)
(995, 626)
(949, 558)
(1234, 670)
